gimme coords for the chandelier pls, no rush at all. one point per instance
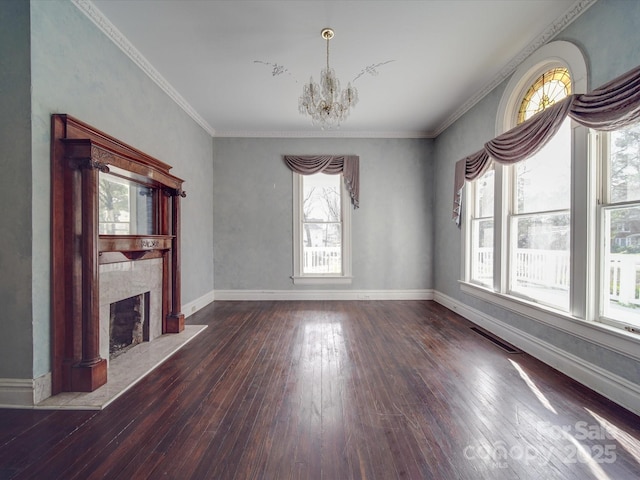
(326, 103)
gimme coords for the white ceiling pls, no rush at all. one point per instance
(445, 55)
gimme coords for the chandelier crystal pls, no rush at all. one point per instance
(327, 104)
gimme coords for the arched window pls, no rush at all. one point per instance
(549, 88)
(522, 247)
(539, 217)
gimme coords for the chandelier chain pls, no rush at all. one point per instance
(328, 39)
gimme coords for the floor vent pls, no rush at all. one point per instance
(496, 341)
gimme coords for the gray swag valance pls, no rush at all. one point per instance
(614, 105)
(347, 165)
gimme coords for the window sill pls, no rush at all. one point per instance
(613, 338)
(308, 280)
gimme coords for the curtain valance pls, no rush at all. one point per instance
(347, 165)
(614, 105)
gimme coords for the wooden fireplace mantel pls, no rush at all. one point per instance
(78, 153)
(122, 248)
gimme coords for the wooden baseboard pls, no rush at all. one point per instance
(240, 295)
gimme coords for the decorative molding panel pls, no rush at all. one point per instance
(597, 333)
(606, 383)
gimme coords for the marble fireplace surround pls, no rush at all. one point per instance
(127, 279)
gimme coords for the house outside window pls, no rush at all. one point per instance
(620, 227)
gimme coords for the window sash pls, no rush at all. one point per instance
(620, 274)
(481, 255)
(619, 277)
(316, 275)
(538, 272)
(542, 276)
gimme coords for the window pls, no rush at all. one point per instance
(540, 220)
(321, 229)
(482, 230)
(620, 227)
(520, 218)
(547, 89)
(565, 227)
(534, 209)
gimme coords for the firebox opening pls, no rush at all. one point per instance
(128, 324)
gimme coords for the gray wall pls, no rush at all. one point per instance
(77, 70)
(15, 191)
(608, 36)
(392, 230)
(403, 237)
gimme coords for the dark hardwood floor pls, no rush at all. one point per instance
(333, 390)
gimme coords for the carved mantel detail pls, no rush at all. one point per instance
(100, 159)
(78, 153)
(175, 192)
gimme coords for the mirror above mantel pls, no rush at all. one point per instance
(111, 203)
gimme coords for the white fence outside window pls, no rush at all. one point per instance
(551, 268)
(322, 260)
(624, 285)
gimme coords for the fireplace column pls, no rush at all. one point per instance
(91, 372)
(175, 319)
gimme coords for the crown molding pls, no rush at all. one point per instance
(111, 31)
(322, 134)
(577, 9)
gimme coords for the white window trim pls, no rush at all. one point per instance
(604, 203)
(328, 279)
(554, 54)
(583, 321)
(614, 338)
(471, 192)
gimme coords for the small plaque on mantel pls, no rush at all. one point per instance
(134, 243)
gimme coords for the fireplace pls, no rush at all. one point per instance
(115, 219)
(120, 282)
(128, 324)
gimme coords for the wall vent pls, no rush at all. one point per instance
(495, 340)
